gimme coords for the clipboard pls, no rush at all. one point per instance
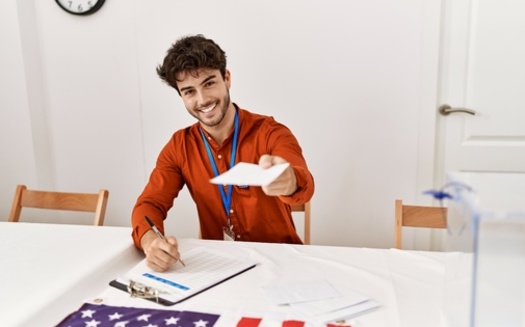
(205, 268)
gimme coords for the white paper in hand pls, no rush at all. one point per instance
(245, 173)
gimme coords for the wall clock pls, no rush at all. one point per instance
(80, 7)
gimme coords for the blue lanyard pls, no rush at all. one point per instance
(226, 199)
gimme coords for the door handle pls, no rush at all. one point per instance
(445, 110)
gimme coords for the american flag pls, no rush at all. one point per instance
(258, 322)
(100, 315)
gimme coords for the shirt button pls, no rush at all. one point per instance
(238, 236)
(231, 211)
(219, 156)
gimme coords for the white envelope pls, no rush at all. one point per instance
(245, 173)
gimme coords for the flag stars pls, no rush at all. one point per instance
(101, 315)
(200, 323)
(115, 316)
(92, 323)
(88, 313)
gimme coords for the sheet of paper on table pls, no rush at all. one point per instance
(318, 300)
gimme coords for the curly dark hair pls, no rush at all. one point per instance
(188, 54)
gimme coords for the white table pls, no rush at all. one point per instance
(47, 270)
(50, 270)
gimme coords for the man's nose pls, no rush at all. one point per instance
(202, 97)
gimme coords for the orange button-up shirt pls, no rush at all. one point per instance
(254, 215)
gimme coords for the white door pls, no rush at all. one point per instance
(483, 69)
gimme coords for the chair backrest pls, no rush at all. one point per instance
(306, 208)
(87, 202)
(417, 216)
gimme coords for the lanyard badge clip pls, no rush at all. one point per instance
(228, 233)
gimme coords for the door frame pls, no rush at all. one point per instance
(428, 160)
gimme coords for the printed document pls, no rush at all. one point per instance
(204, 269)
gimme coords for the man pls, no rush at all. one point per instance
(223, 136)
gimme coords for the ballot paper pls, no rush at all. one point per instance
(322, 306)
(245, 173)
(319, 300)
(300, 291)
(204, 268)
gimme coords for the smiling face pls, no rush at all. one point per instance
(206, 96)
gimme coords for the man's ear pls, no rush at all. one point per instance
(227, 78)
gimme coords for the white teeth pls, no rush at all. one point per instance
(208, 109)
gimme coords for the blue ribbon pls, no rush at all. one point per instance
(226, 199)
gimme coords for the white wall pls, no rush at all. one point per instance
(349, 78)
(17, 161)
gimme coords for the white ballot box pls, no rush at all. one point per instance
(485, 275)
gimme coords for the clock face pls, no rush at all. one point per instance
(80, 7)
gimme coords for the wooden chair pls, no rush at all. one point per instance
(417, 216)
(87, 202)
(307, 216)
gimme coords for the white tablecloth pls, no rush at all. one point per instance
(48, 271)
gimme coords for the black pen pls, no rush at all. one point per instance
(159, 234)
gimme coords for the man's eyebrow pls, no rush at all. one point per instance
(203, 82)
(186, 88)
(208, 78)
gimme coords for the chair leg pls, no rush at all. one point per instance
(399, 224)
